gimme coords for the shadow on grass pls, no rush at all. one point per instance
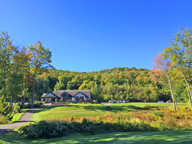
(113, 108)
(104, 108)
(174, 136)
(46, 109)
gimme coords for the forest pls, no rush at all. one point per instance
(26, 73)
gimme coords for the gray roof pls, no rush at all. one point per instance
(45, 95)
(70, 92)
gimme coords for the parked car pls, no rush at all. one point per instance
(124, 101)
(96, 101)
(113, 101)
(120, 101)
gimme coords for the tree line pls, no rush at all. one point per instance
(19, 68)
(26, 73)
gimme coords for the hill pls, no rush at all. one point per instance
(117, 83)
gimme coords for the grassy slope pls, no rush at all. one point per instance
(81, 110)
(176, 136)
(66, 111)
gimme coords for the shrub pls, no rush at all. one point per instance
(125, 109)
(16, 108)
(147, 107)
(43, 129)
(160, 126)
(158, 113)
(50, 129)
(6, 110)
(37, 105)
(108, 108)
(3, 119)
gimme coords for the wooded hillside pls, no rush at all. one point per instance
(26, 72)
(117, 83)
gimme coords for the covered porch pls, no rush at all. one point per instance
(49, 99)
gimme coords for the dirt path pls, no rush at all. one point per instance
(25, 118)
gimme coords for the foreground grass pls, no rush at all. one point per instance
(82, 110)
(175, 136)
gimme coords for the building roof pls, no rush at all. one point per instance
(70, 92)
(45, 95)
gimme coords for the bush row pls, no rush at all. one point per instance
(35, 105)
(50, 129)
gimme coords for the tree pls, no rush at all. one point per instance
(163, 66)
(40, 59)
(5, 54)
(15, 75)
(180, 55)
(96, 92)
(62, 83)
(25, 63)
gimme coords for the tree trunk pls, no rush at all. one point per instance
(24, 95)
(173, 98)
(11, 100)
(176, 104)
(4, 77)
(188, 89)
(33, 89)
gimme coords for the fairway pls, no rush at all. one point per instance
(83, 110)
(66, 111)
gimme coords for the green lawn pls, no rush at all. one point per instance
(67, 111)
(176, 136)
(82, 110)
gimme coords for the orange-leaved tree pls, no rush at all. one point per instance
(162, 67)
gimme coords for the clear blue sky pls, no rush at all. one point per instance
(91, 35)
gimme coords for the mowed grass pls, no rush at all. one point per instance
(83, 110)
(66, 111)
(171, 137)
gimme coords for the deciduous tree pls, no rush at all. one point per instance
(41, 58)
